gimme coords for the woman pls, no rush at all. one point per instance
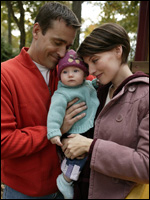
(118, 154)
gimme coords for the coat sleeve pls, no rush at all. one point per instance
(122, 162)
(56, 115)
(17, 142)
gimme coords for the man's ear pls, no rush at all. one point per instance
(36, 30)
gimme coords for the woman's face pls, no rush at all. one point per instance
(105, 66)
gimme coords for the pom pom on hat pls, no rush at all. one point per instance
(71, 59)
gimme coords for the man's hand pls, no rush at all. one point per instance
(71, 112)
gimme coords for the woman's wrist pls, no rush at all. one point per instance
(88, 144)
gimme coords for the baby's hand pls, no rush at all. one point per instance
(56, 140)
(97, 82)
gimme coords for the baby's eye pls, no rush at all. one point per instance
(64, 72)
(76, 70)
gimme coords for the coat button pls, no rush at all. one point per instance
(131, 88)
(119, 118)
(115, 180)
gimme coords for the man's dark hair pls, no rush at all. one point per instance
(53, 11)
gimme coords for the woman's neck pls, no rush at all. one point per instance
(122, 74)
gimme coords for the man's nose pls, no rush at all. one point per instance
(62, 52)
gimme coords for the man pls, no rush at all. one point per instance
(30, 162)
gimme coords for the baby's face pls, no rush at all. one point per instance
(72, 76)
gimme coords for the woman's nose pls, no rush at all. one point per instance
(92, 70)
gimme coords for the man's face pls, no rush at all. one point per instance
(49, 48)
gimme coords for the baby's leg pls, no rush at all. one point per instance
(65, 186)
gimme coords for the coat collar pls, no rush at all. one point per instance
(103, 89)
(134, 76)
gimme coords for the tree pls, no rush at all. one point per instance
(31, 8)
(9, 23)
(125, 13)
(20, 22)
(76, 8)
(122, 12)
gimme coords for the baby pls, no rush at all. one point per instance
(72, 74)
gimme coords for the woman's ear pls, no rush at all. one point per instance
(36, 30)
(119, 51)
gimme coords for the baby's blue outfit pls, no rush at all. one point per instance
(85, 93)
(64, 94)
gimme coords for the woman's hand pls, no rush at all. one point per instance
(76, 145)
(71, 112)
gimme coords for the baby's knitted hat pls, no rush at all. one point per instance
(71, 59)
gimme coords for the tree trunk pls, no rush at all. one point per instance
(20, 23)
(76, 8)
(9, 23)
(22, 26)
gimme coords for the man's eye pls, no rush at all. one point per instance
(57, 43)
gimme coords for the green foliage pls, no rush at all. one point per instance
(6, 51)
(123, 12)
(31, 9)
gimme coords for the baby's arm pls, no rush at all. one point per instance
(56, 115)
(56, 140)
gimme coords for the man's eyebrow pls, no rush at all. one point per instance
(61, 40)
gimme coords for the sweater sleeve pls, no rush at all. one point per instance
(56, 115)
(17, 142)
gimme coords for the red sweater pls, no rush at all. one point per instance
(30, 163)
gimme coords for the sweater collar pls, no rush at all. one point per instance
(25, 59)
(60, 84)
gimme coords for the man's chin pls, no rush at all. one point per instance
(51, 67)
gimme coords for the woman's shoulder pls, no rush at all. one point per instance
(139, 85)
(138, 93)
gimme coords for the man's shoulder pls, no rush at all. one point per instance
(9, 64)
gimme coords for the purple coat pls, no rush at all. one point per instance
(120, 156)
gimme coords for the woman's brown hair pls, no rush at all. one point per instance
(105, 38)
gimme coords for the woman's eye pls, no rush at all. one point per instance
(95, 60)
(64, 72)
(76, 70)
